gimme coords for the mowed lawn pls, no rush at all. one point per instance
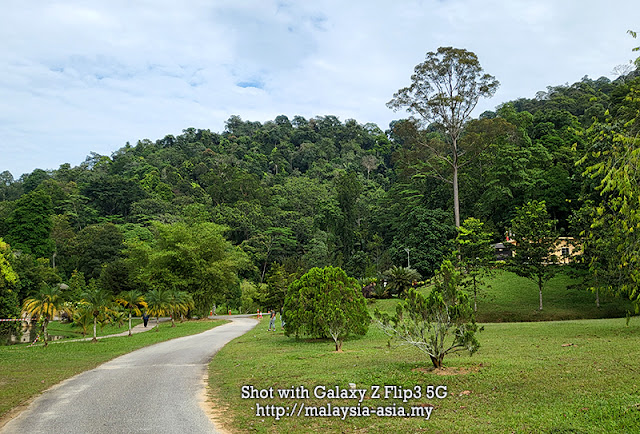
(542, 376)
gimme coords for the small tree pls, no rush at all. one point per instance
(400, 279)
(45, 304)
(326, 302)
(534, 231)
(158, 302)
(99, 302)
(132, 301)
(476, 253)
(439, 323)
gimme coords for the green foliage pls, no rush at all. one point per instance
(180, 303)
(158, 303)
(46, 303)
(444, 91)
(617, 216)
(536, 238)
(193, 258)
(325, 302)
(278, 281)
(476, 253)
(99, 303)
(29, 225)
(439, 323)
(133, 301)
(400, 279)
(9, 303)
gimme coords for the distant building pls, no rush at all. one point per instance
(566, 249)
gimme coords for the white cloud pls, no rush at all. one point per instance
(88, 76)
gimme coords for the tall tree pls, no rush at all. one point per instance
(444, 91)
(29, 225)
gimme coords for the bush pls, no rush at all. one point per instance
(326, 302)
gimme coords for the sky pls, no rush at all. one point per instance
(89, 76)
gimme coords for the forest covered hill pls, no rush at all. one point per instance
(274, 199)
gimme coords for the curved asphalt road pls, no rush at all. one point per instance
(152, 390)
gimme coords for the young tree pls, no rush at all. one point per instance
(326, 302)
(476, 253)
(158, 302)
(179, 304)
(45, 304)
(99, 302)
(132, 301)
(444, 91)
(536, 238)
(439, 323)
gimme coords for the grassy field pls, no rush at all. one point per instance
(507, 297)
(539, 376)
(570, 376)
(510, 298)
(25, 372)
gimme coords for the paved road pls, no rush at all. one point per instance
(152, 390)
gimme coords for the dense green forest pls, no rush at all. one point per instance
(231, 217)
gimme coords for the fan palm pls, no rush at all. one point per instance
(47, 303)
(132, 301)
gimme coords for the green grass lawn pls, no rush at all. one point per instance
(25, 372)
(569, 376)
(536, 375)
(69, 330)
(507, 297)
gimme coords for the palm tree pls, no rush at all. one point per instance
(133, 301)
(82, 317)
(159, 303)
(47, 303)
(400, 279)
(179, 304)
(99, 303)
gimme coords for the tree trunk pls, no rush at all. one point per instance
(475, 295)
(44, 331)
(540, 292)
(597, 297)
(95, 323)
(456, 196)
(129, 323)
(437, 361)
(157, 323)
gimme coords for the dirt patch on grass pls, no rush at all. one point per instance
(449, 370)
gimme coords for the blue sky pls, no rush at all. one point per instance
(79, 76)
